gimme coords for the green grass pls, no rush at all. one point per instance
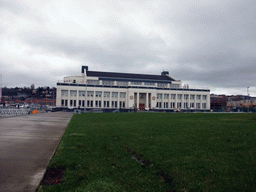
(157, 152)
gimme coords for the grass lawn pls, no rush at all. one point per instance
(155, 152)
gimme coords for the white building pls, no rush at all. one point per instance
(110, 91)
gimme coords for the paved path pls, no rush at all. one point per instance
(27, 144)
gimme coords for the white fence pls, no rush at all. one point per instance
(13, 112)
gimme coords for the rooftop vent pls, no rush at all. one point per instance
(164, 73)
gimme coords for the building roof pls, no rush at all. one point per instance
(129, 76)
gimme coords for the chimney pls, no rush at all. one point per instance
(84, 68)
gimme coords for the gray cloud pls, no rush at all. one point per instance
(209, 42)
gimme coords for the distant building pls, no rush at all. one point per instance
(127, 91)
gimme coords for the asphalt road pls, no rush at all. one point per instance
(27, 144)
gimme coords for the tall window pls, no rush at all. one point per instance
(198, 97)
(179, 96)
(73, 93)
(166, 96)
(186, 97)
(81, 93)
(98, 94)
(159, 96)
(114, 94)
(106, 94)
(172, 96)
(122, 95)
(89, 93)
(192, 97)
(64, 92)
(204, 97)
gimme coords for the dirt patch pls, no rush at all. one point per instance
(146, 163)
(53, 176)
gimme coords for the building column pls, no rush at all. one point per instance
(77, 99)
(94, 92)
(146, 106)
(68, 98)
(102, 95)
(118, 99)
(110, 99)
(138, 99)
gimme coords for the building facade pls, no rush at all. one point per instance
(110, 91)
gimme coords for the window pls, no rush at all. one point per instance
(166, 96)
(162, 85)
(93, 82)
(74, 103)
(185, 97)
(172, 104)
(159, 104)
(66, 102)
(174, 86)
(179, 105)
(192, 97)
(114, 94)
(73, 93)
(81, 93)
(107, 82)
(142, 95)
(96, 104)
(165, 105)
(98, 94)
(198, 105)
(80, 102)
(172, 96)
(185, 105)
(204, 97)
(62, 102)
(179, 96)
(64, 92)
(83, 103)
(122, 95)
(204, 105)
(89, 93)
(192, 105)
(136, 83)
(122, 83)
(71, 103)
(149, 84)
(105, 104)
(106, 94)
(159, 96)
(198, 97)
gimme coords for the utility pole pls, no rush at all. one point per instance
(248, 99)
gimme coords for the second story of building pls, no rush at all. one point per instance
(98, 78)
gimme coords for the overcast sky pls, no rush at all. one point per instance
(205, 43)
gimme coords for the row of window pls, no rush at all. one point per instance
(73, 93)
(90, 103)
(125, 83)
(179, 96)
(179, 105)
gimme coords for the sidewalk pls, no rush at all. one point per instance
(27, 144)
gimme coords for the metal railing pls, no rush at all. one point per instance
(13, 112)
